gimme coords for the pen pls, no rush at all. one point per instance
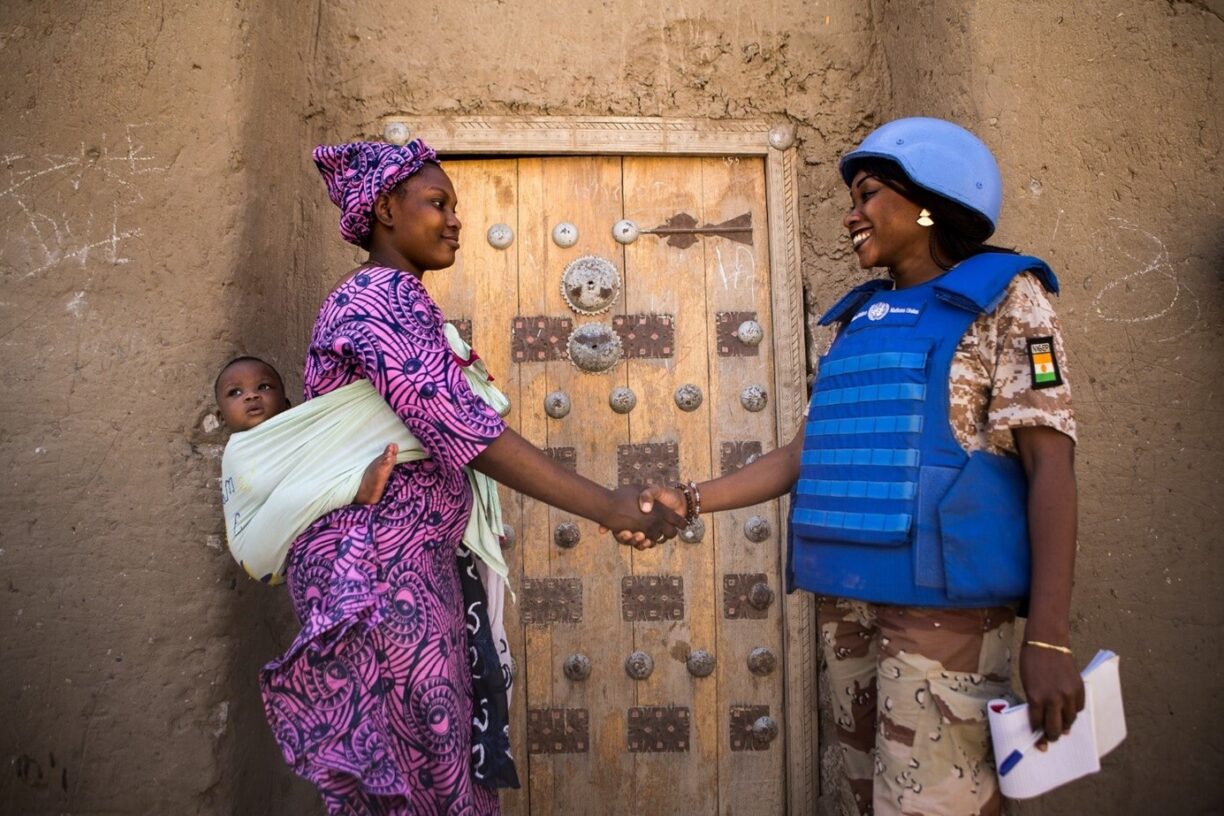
(1016, 755)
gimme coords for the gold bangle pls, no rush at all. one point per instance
(1042, 645)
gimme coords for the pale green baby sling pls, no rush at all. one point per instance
(281, 475)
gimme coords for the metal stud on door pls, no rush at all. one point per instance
(567, 535)
(760, 596)
(625, 231)
(577, 667)
(756, 529)
(639, 665)
(753, 398)
(622, 400)
(688, 397)
(694, 533)
(565, 235)
(590, 285)
(500, 236)
(557, 405)
(594, 348)
(700, 663)
(761, 661)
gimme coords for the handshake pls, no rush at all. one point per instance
(646, 516)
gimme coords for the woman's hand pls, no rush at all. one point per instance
(1054, 689)
(767, 478)
(642, 524)
(519, 465)
(668, 497)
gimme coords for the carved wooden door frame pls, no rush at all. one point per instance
(617, 136)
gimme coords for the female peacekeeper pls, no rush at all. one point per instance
(934, 480)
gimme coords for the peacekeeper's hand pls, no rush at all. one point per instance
(1053, 687)
(668, 497)
(645, 528)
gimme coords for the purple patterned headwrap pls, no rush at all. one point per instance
(358, 172)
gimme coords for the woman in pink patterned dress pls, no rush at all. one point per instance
(392, 699)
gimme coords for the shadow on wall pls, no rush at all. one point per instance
(934, 79)
(262, 783)
(268, 282)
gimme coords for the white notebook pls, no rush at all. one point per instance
(1025, 772)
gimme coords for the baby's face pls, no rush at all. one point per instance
(248, 393)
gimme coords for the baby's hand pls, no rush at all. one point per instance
(374, 480)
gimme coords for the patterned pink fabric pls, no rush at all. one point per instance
(373, 702)
(358, 172)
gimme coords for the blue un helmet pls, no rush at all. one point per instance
(941, 158)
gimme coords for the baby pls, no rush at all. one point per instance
(284, 470)
(250, 392)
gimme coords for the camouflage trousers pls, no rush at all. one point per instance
(910, 687)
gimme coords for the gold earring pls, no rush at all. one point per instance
(924, 218)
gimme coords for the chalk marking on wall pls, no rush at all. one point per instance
(54, 231)
(23, 177)
(135, 152)
(77, 304)
(81, 253)
(1158, 264)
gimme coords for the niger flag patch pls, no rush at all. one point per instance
(1042, 362)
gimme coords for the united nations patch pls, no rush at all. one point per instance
(1042, 362)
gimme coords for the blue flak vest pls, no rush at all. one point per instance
(888, 507)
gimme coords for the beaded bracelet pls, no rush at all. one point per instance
(692, 500)
(696, 502)
(688, 499)
(1043, 645)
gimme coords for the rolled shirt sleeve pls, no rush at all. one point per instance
(1029, 386)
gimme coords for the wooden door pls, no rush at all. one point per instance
(680, 737)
